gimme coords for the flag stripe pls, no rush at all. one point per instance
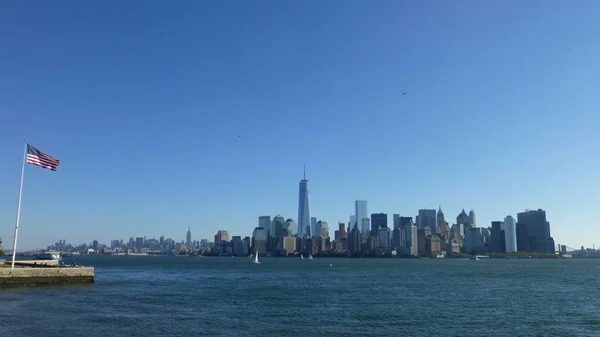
(38, 158)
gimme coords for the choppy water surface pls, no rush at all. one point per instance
(177, 296)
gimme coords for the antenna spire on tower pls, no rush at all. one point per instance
(304, 171)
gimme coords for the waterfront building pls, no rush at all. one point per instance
(289, 244)
(497, 240)
(510, 234)
(432, 245)
(259, 240)
(535, 232)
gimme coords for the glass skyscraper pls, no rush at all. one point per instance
(303, 207)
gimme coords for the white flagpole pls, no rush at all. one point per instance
(14, 252)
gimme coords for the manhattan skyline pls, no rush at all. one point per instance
(175, 117)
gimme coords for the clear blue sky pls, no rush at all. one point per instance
(143, 102)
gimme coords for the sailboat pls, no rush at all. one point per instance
(310, 257)
(256, 258)
(301, 257)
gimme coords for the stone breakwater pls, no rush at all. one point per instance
(28, 277)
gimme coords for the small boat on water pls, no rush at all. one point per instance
(48, 256)
(310, 257)
(475, 258)
(256, 258)
(301, 257)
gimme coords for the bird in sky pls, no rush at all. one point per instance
(404, 93)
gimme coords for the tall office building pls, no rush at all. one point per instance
(360, 213)
(188, 237)
(292, 227)
(396, 221)
(378, 220)
(427, 218)
(472, 218)
(497, 238)
(303, 207)
(342, 230)
(259, 240)
(440, 216)
(278, 227)
(314, 231)
(510, 234)
(352, 223)
(264, 221)
(322, 229)
(464, 220)
(384, 236)
(535, 232)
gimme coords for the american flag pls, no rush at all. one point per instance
(39, 158)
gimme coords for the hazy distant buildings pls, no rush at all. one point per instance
(314, 231)
(188, 237)
(510, 234)
(303, 207)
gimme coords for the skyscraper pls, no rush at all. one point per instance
(314, 231)
(264, 221)
(303, 207)
(427, 218)
(536, 234)
(510, 234)
(497, 240)
(360, 213)
(473, 219)
(378, 220)
(188, 237)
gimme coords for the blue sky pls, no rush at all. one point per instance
(201, 113)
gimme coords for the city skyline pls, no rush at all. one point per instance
(490, 88)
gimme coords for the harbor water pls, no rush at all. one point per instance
(211, 296)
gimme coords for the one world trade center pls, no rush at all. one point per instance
(303, 208)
